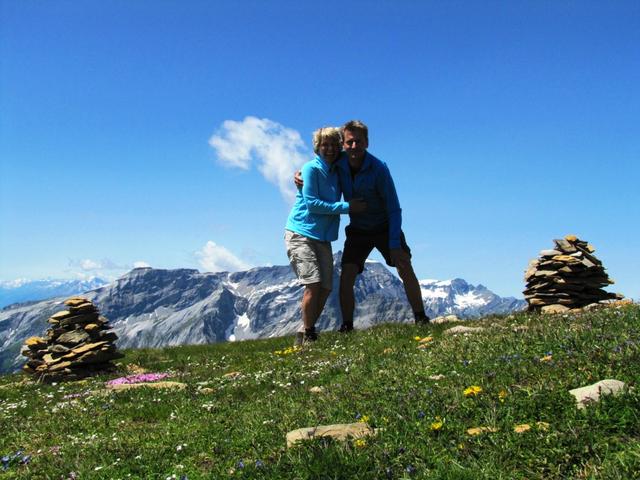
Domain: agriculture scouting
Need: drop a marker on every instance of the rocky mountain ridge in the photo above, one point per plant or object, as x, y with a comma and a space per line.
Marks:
154, 308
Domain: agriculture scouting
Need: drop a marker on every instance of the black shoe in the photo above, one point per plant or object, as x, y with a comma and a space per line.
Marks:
310, 335
346, 328
422, 319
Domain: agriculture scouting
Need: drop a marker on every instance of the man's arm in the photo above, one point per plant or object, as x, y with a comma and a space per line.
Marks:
387, 189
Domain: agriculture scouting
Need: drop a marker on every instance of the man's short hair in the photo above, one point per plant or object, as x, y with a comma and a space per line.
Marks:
356, 125
330, 133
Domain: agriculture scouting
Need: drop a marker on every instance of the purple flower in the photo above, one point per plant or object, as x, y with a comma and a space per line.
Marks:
240, 464
421, 414
138, 378
410, 469
259, 464
5, 462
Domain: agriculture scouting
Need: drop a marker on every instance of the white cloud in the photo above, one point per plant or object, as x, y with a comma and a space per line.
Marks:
141, 264
216, 258
88, 264
277, 150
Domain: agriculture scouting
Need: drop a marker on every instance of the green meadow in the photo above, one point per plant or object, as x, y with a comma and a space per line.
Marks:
494, 404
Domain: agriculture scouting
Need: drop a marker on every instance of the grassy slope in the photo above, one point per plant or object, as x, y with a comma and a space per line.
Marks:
236, 427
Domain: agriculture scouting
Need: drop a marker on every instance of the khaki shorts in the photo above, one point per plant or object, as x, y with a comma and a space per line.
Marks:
311, 260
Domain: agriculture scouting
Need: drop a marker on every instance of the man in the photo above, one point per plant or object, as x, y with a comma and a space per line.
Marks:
364, 176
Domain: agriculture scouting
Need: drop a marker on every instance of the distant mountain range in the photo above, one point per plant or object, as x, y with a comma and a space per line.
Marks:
154, 308
18, 291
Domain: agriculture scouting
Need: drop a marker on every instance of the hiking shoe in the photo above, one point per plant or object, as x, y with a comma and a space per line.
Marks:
346, 328
423, 319
309, 336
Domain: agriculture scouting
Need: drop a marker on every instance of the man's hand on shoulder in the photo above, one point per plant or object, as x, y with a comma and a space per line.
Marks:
297, 179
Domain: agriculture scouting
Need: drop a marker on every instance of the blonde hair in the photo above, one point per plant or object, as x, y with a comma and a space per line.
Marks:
331, 133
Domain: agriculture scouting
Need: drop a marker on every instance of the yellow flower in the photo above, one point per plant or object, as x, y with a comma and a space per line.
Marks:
525, 427
388, 350
502, 395
544, 426
360, 443
478, 430
416, 338
546, 358
472, 391
364, 419
435, 426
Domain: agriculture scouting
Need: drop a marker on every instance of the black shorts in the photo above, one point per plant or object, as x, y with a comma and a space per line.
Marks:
360, 243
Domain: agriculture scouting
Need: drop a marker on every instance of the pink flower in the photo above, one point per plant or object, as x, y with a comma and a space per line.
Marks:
139, 378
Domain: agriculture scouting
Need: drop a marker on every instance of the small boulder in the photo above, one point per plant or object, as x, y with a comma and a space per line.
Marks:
592, 393
463, 329
340, 431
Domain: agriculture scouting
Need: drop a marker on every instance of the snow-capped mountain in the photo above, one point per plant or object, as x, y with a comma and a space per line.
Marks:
153, 308
465, 300
21, 290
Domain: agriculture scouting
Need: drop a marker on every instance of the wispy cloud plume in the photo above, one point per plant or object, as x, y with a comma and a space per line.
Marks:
216, 258
106, 268
277, 151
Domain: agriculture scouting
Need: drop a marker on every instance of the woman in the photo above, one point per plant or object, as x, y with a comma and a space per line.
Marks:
313, 224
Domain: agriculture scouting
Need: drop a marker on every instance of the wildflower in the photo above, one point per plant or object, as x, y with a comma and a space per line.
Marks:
259, 464
139, 378
542, 426
478, 430
5, 462
417, 338
363, 419
437, 425
546, 358
421, 414
360, 443
472, 391
502, 394
410, 469
525, 427
240, 464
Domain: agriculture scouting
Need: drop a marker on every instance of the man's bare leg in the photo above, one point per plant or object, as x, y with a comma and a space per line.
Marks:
412, 289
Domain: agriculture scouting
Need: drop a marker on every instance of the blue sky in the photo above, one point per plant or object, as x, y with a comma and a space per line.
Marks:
504, 124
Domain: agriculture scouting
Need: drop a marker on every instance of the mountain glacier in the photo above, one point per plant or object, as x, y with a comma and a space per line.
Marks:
155, 308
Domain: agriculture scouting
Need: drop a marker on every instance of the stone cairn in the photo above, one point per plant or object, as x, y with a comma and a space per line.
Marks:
566, 277
79, 344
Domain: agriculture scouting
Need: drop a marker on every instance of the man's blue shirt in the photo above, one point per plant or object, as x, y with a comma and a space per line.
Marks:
373, 184
316, 211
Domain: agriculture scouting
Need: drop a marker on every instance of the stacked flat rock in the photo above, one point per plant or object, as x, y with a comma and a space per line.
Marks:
566, 277
78, 344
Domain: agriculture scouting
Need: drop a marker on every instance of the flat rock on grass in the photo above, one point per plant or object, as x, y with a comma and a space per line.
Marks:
463, 329
340, 431
158, 385
445, 319
592, 393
